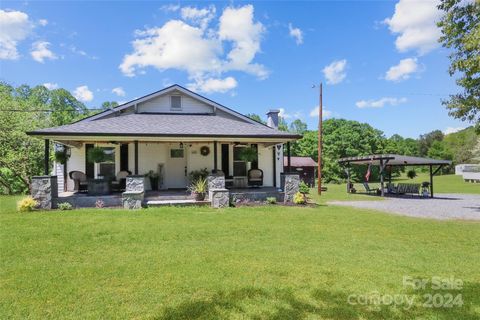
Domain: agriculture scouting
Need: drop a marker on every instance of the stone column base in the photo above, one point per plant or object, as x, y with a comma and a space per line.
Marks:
219, 198
44, 190
132, 199
215, 181
291, 186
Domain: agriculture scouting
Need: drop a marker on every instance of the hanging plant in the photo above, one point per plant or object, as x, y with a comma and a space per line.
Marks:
61, 157
96, 155
248, 154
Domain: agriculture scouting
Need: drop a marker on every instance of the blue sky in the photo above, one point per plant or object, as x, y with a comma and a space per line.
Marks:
379, 61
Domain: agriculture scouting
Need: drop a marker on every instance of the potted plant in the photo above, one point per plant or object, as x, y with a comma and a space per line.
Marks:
248, 155
96, 155
199, 189
61, 156
154, 178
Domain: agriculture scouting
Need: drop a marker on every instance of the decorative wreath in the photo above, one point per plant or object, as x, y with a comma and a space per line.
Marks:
205, 151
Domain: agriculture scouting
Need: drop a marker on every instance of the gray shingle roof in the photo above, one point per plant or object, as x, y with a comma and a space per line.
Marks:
166, 125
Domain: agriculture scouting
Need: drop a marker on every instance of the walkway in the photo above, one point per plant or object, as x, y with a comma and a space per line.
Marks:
442, 207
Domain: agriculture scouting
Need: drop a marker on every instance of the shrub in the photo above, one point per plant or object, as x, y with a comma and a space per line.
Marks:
411, 174
198, 174
96, 155
271, 200
65, 206
304, 188
198, 186
27, 204
299, 198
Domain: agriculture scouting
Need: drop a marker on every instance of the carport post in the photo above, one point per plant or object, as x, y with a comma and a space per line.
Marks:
431, 181
382, 192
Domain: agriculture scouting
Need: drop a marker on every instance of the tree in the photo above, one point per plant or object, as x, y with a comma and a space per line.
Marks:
25, 109
425, 141
341, 138
298, 126
255, 117
460, 26
109, 105
282, 124
439, 150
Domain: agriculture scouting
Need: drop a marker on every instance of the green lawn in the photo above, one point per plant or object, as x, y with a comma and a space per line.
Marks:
269, 262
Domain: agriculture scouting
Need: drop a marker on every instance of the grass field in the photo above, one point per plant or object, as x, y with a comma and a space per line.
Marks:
270, 262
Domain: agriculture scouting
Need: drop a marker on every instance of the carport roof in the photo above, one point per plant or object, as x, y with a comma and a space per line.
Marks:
393, 160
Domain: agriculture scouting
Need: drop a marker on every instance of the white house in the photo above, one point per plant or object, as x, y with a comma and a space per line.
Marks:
173, 132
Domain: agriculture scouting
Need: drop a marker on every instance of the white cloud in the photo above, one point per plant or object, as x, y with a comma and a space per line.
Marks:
283, 114
119, 91
15, 26
295, 33
171, 47
449, 130
335, 71
43, 22
170, 7
200, 17
237, 26
402, 70
192, 47
380, 103
415, 23
40, 51
83, 94
50, 86
213, 85
325, 113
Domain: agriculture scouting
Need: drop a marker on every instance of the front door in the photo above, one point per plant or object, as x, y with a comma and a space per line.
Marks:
175, 171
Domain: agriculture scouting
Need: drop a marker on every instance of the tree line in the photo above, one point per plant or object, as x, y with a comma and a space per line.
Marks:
349, 138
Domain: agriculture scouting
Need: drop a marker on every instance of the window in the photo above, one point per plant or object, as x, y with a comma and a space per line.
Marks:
239, 166
176, 153
107, 166
176, 102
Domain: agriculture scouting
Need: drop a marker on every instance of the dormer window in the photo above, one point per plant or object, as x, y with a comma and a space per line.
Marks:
176, 102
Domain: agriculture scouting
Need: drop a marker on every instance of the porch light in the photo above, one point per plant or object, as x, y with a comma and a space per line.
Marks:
68, 151
181, 145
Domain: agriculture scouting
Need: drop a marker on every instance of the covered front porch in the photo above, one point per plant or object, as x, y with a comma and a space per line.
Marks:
166, 164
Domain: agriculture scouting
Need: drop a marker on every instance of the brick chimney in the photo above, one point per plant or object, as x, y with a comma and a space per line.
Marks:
272, 118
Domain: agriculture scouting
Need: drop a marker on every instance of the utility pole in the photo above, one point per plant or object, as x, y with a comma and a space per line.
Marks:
320, 113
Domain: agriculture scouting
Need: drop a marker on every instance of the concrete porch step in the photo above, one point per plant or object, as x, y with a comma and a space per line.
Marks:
179, 202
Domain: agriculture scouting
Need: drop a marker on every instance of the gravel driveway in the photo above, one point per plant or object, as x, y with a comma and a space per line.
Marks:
442, 207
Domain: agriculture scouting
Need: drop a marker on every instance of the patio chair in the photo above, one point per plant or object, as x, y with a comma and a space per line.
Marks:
255, 177
368, 189
120, 182
80, 180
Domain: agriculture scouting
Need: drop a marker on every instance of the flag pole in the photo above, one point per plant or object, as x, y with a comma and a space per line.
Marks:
320, 113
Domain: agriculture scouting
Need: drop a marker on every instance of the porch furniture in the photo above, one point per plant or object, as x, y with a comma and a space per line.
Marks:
98, 187
120, 181
391, 188
240, 182
255, 177
408, 188
368, 189
79, 179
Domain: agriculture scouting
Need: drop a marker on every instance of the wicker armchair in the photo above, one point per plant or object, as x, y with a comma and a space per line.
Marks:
79, 179
255, 177
119, 184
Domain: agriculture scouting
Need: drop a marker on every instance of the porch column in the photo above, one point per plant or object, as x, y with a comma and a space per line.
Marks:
136, 156
274, 166
47, 156
289, 162
215, 160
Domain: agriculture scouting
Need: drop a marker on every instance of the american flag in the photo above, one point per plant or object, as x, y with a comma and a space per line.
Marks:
367, 175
